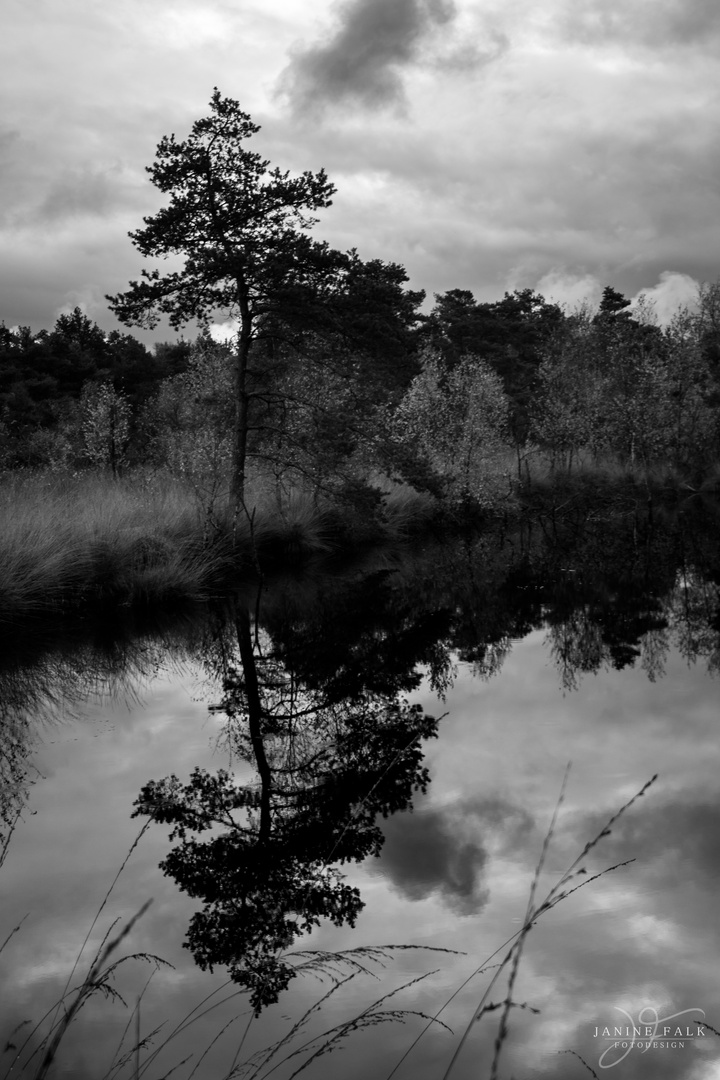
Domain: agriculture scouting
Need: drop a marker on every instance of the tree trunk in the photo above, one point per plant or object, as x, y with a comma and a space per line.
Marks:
255, 718
242, 403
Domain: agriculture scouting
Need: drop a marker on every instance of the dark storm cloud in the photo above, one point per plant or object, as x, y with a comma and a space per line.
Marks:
443, 850
361, 60
653, 23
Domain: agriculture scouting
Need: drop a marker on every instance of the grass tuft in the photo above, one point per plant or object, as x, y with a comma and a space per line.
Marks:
71, 543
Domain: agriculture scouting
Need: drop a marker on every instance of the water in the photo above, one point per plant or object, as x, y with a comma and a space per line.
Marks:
585, 641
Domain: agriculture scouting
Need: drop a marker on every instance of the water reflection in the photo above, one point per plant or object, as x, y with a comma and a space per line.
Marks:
327, 767
313, 696
327, 751
47, 678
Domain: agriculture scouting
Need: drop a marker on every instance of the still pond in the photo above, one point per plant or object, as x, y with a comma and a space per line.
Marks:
361, 765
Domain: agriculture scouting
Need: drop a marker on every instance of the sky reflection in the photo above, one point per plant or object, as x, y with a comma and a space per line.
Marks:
455, 873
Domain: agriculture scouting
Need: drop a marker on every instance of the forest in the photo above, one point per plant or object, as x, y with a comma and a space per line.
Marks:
344, 410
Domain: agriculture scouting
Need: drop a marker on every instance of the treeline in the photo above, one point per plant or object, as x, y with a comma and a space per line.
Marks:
453, 402
46, 377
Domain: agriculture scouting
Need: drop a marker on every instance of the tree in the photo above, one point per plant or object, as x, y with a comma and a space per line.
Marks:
612, 303
105, 425
301, 306
457, 422
75, 333
510, 334
188, 423
617, 384
241, 228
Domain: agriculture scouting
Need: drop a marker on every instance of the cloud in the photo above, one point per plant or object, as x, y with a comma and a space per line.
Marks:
674, 843
679, 834
224, 330
7, 138
80, 192
360, 61
46, 183
563, 287
564, 162
649, 23
445, 849
673, 291
564, 159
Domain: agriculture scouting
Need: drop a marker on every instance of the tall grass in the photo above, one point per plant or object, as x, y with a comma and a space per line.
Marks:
69, 542
73, 541
63, 541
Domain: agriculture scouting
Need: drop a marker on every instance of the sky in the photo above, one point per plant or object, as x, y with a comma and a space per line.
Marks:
559, 145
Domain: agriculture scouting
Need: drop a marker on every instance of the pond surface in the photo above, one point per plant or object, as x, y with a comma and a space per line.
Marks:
461, 678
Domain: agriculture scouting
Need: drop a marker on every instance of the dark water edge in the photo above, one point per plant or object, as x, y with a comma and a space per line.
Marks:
619, 593
571, 520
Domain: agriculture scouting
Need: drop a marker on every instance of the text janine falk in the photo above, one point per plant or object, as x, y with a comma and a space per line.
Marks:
649, 1031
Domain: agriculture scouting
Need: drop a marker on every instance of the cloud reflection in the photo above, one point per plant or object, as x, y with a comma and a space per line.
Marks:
444, 850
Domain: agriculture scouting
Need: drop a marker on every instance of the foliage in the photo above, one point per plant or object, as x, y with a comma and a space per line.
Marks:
44, 374
511, 335
189, 422
457, 421
105, 415
617, 384
313, 431
332, 352
569, 412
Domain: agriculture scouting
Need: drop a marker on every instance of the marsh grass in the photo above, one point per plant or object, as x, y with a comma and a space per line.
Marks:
407, 512
72, 540
540, 470
70, 543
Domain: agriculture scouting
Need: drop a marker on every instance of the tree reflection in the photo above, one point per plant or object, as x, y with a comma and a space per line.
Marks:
327, 767
314, 685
